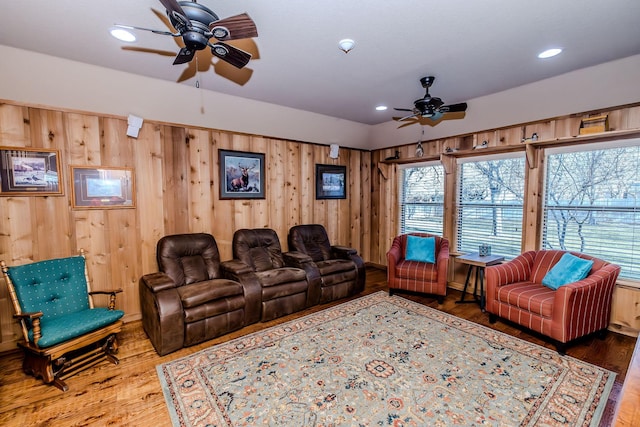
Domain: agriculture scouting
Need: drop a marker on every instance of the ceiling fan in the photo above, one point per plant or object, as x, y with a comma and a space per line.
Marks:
197, 25
430, 107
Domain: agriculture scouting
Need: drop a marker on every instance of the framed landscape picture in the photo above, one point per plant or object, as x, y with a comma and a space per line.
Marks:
331, 182
29, 172
102, 188
241, 175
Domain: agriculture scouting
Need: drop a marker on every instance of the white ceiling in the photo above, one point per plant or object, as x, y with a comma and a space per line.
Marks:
473, 48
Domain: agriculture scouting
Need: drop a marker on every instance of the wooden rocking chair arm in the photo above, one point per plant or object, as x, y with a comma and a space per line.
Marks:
31, 315
108, 292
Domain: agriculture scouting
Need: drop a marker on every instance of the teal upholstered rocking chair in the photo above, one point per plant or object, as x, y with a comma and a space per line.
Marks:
63, 333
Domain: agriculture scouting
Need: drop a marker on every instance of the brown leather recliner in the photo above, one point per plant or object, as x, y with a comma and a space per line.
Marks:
340, 267
189, 301
286, 282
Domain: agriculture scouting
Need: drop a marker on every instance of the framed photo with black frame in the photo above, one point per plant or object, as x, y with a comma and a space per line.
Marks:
331, 182
102, 188
241, 175
30, 172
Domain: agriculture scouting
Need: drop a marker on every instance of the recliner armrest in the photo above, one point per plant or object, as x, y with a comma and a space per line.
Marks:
235, 268
296, 259
157, 282
343, 251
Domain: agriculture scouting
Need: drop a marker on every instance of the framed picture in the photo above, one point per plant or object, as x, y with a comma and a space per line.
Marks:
331, 182
241, 175
102, 188
29, 172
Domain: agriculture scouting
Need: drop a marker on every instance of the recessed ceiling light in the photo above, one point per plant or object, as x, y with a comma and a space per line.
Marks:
381, 107
122, 34
549, 53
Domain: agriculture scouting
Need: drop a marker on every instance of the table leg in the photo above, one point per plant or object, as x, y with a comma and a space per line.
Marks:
483, 299
466, 284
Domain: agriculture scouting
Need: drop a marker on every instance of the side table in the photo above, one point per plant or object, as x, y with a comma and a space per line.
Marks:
474, 260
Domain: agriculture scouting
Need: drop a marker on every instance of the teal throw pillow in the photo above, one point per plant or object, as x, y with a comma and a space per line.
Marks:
421, 249
569, 269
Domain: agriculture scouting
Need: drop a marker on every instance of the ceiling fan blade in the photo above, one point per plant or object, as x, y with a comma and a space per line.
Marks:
174, 9
185, 55
234, 56
234, 27
403, 109
133, 27
454, 108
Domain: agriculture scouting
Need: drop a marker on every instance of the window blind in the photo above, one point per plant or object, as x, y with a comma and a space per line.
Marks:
421, 198
490, 203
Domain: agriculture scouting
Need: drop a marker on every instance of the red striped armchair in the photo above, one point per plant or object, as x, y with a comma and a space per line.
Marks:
515, 292
416, 276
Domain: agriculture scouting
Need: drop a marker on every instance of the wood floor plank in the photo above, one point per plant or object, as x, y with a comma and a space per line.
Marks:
130, 393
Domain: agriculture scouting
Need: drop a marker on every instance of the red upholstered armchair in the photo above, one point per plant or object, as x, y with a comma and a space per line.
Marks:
416, 276
515, 292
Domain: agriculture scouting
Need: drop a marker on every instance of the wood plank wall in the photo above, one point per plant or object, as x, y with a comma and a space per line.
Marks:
177, 191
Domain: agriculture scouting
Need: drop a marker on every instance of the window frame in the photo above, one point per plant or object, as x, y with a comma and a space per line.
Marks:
633, 281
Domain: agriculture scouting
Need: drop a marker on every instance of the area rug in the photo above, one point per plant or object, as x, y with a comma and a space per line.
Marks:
382, 361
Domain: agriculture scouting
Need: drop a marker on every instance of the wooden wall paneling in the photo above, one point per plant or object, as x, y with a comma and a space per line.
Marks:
276, 197
354, 197
14, 126
148, 172
365, 206
175, 166
319, 206
121, 227
51, 213
88, 227
257, 210
124, 260
376, 176
117, 147
200, 182
223, 224
567, 126
292, 183
625, 310
490, 137
509, 136
307, 183
633, 117
83, 140
545, 130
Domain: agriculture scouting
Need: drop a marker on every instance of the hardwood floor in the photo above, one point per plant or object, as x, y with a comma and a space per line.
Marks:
130, 394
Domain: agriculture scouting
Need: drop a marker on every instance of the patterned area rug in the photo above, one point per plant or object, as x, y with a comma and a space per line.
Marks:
382, 361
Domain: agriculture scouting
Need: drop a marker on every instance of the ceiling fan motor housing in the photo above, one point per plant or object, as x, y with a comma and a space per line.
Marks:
200, 16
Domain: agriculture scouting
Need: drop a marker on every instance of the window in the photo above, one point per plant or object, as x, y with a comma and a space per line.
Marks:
421, 193
592, 203
490, 204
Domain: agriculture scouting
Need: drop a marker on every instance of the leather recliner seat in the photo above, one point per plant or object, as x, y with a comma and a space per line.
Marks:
189, 300
340, 268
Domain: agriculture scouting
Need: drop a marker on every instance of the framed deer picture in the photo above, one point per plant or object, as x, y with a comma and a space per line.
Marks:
241, 175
